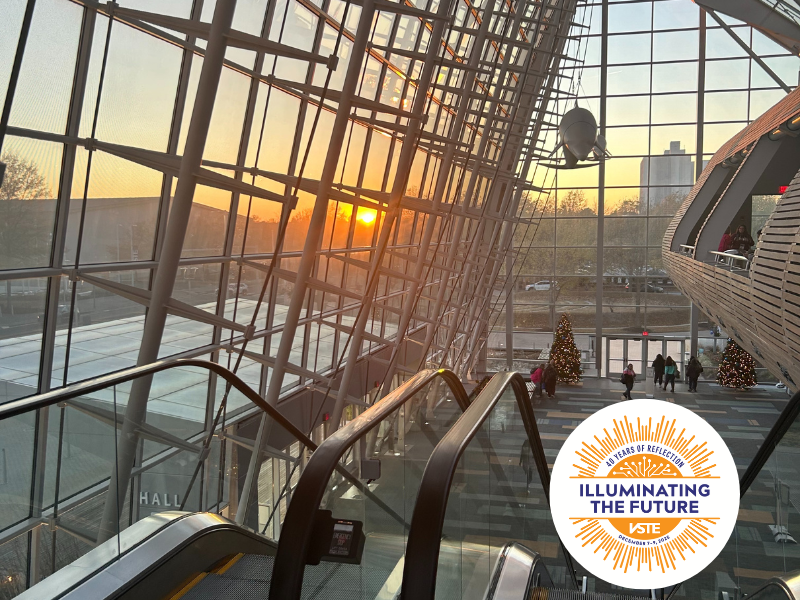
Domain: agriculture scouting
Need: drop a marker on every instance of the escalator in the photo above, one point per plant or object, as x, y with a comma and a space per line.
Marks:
428, 494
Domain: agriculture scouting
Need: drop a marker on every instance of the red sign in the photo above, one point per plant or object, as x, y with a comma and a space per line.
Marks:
645, 333
783, 189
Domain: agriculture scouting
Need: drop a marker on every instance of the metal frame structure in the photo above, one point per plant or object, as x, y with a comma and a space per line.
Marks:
415, 134
650, 72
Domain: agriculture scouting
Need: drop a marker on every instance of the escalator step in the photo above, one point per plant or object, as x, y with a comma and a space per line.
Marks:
558, 594
221, 587
251, 566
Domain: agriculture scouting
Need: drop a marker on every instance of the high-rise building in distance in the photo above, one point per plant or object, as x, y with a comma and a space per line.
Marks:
661, 176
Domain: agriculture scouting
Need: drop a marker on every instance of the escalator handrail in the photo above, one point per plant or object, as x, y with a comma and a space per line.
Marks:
790, 413
24, 405
427, 522
296, 533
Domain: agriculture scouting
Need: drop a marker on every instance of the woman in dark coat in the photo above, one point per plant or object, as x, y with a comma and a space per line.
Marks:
658, 370
549, 378
742, 241
693, 370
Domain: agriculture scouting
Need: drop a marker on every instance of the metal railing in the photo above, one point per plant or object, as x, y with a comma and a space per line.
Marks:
728, 259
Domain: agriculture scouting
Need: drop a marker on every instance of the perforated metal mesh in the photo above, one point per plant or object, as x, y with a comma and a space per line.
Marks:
556, 594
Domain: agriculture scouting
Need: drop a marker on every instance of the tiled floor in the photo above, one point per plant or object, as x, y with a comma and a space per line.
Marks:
743, 418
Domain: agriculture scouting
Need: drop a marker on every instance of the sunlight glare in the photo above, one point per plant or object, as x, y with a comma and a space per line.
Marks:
367, 216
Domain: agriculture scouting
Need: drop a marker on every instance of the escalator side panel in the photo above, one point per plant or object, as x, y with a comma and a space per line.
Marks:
154, 567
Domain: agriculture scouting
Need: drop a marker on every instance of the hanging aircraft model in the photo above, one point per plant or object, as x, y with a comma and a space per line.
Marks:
580, 140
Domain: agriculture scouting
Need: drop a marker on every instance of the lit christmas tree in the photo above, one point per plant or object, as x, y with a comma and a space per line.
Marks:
737, 369
565, 354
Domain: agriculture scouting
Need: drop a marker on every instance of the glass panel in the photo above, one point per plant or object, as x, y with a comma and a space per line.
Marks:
28, 202
675, 77
45, 82
22, 306
673, 108
17, 437
675, 45
138, 97
628, 48
634, 110
727, 74
635, 356
9, 36
726, 106
762, 544
496, 497
79, 443
675, 14
719, 44
629, 17
399, 445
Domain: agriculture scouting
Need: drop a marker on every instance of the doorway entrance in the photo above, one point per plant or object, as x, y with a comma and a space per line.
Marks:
640, 350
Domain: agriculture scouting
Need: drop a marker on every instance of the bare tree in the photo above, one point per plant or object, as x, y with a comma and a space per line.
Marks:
26, 216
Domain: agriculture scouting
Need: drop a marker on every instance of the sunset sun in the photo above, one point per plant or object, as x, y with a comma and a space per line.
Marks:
367, 216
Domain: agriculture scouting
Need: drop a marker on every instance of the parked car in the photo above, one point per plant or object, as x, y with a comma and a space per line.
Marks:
63, 311
645, 287
541, 286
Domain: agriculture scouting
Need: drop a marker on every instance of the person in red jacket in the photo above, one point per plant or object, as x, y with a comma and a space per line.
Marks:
726, 243
536, 379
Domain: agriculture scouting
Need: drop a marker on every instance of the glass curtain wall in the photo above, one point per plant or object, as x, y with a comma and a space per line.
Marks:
306, 247
669, 86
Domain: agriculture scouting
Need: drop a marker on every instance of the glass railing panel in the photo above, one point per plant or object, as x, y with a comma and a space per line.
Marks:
14, 553
764, 542
17, 446
496, 497
387, 462
186, 454
465, 559
516, 483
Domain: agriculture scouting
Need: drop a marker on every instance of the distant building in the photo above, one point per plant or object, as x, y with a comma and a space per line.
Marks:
661, 176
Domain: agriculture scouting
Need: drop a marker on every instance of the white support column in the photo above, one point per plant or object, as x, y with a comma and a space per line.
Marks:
164, 280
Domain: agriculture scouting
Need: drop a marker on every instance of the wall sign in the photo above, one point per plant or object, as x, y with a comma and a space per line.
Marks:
644, 494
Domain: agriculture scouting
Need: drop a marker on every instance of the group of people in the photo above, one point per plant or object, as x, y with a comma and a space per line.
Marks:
544, 376
665, 372
741, 241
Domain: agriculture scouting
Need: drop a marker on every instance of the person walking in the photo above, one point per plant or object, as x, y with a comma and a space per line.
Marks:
549, 378
628, 379
693, 370
536, 379
670, 369
658, 370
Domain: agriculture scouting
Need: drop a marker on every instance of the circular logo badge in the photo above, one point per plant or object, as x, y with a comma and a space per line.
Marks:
644, 494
